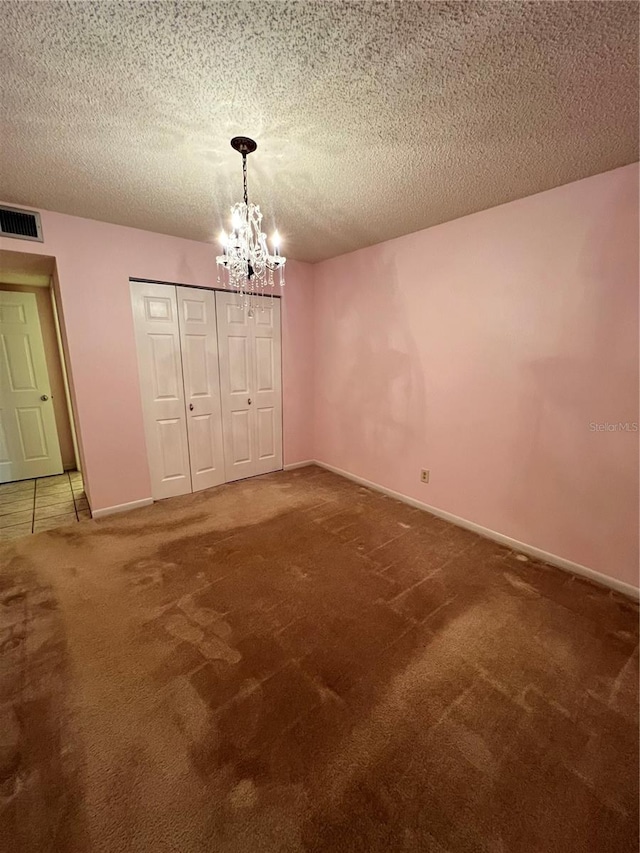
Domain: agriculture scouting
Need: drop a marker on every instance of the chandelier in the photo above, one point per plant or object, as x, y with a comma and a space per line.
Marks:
245, 263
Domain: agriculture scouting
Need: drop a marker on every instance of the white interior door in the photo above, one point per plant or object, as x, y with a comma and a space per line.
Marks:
250, 385
160, 366
28, 436
267, 405
199, 345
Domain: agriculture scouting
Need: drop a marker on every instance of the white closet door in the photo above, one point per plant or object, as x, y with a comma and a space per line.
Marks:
162, 387
267, 403
28, 436
250, 384
234, 343
199, 344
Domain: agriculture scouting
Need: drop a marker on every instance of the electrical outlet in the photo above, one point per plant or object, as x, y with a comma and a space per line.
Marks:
424, 475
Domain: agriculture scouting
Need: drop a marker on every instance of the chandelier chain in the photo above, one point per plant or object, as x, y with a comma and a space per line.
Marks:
244, 179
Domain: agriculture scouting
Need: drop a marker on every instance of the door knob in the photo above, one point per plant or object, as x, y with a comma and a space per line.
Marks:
249, 401
44, 398
190, 407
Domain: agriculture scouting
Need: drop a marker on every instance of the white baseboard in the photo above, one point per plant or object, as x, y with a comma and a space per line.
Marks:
522, 547
292, 465
112, 510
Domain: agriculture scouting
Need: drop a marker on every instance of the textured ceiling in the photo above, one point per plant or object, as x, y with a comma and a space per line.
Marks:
372, 119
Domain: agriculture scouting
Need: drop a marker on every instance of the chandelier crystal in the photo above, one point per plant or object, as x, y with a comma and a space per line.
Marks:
245, 264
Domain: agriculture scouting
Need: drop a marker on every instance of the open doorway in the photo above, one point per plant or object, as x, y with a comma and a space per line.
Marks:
37, 430
41, 486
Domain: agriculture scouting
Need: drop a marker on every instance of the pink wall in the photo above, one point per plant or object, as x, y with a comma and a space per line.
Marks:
297, 366
94, 263
482, 349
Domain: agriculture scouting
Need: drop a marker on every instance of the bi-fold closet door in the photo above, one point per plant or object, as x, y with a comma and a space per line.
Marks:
176, 337
251, 385
201, 378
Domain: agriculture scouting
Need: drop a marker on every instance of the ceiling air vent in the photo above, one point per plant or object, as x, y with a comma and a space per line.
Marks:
22, 224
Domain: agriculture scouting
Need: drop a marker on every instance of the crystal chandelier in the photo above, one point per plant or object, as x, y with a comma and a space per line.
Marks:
245, 264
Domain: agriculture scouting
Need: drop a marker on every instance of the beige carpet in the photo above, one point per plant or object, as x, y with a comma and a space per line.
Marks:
294, 663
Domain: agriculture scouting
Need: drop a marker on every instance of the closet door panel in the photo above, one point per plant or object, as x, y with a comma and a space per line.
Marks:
236, 381
250, 372
240, 437
197, 368
205, 455
266, 433
199, 343
161, 386
265, 365
266, 353
239, 381
171, 443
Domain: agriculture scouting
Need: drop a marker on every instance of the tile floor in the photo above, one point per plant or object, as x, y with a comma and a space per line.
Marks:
31, 506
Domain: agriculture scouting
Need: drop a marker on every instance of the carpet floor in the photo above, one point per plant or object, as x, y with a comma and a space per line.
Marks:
295, 663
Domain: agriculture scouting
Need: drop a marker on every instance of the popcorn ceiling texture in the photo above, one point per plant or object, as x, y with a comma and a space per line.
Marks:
372, 119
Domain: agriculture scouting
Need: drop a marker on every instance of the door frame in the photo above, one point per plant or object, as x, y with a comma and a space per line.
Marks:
223, 290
